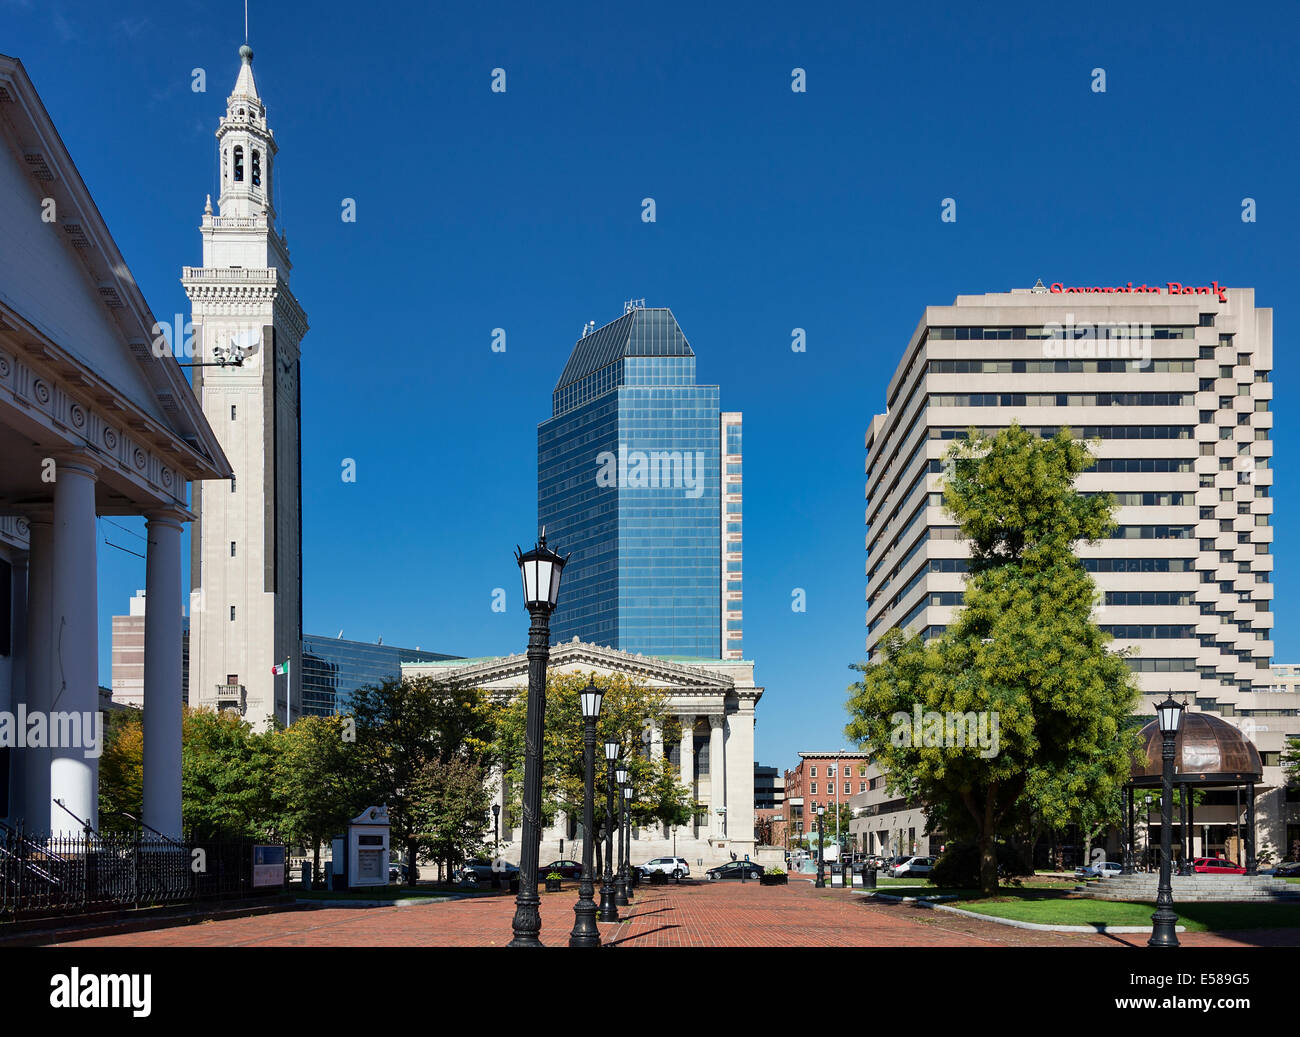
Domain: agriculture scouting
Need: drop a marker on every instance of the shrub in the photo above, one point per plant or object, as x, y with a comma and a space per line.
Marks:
553, 876
776, 871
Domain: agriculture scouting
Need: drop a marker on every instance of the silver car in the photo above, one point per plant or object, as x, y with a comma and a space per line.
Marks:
674, 866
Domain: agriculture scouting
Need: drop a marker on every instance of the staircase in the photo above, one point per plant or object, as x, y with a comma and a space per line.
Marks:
1195, 888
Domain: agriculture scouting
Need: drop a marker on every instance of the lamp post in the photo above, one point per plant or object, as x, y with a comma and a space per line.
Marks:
540, 569
1170, 714
496, 843
627, 845
585, 933
821, 874
620, 877
608, 903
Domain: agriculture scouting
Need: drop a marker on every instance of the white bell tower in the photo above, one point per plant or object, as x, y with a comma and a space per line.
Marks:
246, 547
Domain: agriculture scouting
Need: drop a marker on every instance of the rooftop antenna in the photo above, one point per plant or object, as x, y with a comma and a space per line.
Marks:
245, 21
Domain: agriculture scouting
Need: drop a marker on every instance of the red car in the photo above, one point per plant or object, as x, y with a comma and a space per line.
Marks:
1216, 866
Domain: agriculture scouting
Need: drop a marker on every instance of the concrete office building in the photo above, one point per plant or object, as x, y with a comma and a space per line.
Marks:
128, 655
1173, 382
639, 477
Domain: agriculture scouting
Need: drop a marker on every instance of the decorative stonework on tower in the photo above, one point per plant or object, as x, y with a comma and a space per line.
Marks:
246, 547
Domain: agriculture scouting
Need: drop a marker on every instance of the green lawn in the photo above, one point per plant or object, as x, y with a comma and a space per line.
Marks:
1058, 910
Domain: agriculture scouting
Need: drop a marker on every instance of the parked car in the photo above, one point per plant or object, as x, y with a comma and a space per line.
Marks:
1216, 866
1102, 869
1287, 870
674, 866
736, 870
913, 866
396, 872
568, 869
893, 862
479, 872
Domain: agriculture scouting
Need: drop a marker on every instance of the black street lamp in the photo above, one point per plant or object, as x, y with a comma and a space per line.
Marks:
540, 569
608, 901
821, 874
496, 843
627, 844
1170, 714
585, 933
620, 876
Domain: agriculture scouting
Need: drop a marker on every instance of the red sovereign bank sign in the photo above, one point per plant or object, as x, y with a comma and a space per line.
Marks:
1169, 288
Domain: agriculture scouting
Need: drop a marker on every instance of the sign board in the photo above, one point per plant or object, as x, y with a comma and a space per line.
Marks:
268, 866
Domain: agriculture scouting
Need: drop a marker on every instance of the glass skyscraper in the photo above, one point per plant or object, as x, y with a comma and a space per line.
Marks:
638, 476
333, 668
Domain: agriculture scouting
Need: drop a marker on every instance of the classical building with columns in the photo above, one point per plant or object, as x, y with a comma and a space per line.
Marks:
713, 698
92, 422
246, 547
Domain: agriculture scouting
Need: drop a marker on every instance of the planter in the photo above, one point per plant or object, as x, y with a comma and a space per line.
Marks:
659, 878
553, 885
773, 880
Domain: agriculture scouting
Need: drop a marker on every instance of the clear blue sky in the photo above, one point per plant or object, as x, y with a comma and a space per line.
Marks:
776, 210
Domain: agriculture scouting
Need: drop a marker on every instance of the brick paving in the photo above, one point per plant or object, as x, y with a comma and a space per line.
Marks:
721, 914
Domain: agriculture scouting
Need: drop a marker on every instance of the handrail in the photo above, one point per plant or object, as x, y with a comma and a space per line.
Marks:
30, 844
142, 824
23, 862
84, 824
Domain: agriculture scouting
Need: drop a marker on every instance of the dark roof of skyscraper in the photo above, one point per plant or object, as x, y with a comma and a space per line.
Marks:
642, 331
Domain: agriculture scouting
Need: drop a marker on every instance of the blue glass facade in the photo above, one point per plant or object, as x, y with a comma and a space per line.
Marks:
629, 481
333, 668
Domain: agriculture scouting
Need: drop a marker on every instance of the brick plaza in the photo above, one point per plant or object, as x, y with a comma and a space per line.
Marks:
719, 914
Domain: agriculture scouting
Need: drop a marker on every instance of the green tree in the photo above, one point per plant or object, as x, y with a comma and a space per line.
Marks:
315, 780
1023, 651
452, 799
1291, 760
121, 770
627, 712
402, 725
227, 775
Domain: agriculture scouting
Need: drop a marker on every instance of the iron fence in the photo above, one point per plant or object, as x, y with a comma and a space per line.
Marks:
93, 872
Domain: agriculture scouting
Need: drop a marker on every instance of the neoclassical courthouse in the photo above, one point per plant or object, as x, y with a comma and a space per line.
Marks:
714, 700
92, 422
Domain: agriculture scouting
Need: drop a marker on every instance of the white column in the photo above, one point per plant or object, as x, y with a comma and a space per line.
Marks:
717, 775
740, 773
35, 811
656, 742
688, 758
17, 676
162, 674
74, 640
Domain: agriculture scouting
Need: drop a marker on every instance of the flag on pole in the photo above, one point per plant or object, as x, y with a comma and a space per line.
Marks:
281, 669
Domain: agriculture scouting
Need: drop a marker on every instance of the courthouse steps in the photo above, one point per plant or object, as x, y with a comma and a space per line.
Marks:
1195, 888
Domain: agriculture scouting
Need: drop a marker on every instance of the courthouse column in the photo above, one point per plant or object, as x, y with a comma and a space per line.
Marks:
162, 674
74, 640
17, 677
688, 757
35, 810
717, 776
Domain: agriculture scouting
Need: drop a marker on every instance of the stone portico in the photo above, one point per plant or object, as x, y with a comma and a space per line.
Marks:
714, 701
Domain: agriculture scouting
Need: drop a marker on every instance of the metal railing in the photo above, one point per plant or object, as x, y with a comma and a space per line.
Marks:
73, 874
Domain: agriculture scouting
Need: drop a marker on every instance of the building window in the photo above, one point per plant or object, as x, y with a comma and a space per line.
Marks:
232, 678
812, 789
812, 771
862, 786
830, 771
257, 168
239, 165
232, 484
1207, 320
232, 549
232, 412
232, 613
848, 788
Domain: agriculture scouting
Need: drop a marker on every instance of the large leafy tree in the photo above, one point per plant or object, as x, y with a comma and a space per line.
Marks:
315, 780
227, 774
121, 771
404, 724
452, 799
627, 712
1023, 649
